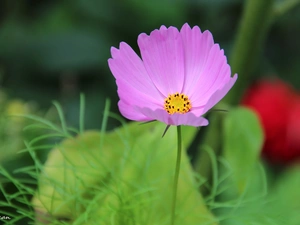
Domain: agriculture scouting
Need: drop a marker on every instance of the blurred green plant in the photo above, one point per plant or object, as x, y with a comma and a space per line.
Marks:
12, 138
11, 134
241, 190
247, 52
113, 175
122, 177
246, 59
126, 181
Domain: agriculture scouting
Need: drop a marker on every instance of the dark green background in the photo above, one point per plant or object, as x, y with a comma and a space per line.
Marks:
54, 50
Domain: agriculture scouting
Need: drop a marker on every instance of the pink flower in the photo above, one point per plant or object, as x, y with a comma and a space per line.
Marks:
179, 77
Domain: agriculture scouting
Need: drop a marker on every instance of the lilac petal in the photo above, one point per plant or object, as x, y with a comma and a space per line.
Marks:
175, 119
219, 94
130, 112
127, 66
216, 74
188, 119
197, 46
163, 56
134, 85
130, 98
135, 97
158, 114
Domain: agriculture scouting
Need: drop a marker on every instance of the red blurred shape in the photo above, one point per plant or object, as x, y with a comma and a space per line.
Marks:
278, 107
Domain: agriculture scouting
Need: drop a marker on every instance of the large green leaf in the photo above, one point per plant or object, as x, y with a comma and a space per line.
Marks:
285, 196
121, 177
245, 195
243, 139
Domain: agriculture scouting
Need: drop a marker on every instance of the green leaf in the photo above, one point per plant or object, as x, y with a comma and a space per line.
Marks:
121, 177
285, 196
243, 140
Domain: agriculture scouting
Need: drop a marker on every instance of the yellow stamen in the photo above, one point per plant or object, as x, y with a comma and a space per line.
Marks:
177, 103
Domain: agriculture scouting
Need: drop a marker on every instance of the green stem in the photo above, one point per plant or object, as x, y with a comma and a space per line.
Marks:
177, 169
81, 113
248, 45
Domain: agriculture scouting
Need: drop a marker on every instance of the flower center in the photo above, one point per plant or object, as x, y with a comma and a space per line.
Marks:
177, 103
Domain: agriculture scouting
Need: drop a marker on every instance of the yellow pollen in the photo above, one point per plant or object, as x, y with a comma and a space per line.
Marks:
177, 103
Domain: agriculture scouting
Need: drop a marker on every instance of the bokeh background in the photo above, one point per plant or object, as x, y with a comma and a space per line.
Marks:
54, 50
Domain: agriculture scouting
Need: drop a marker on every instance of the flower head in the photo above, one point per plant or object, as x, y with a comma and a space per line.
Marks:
179, 77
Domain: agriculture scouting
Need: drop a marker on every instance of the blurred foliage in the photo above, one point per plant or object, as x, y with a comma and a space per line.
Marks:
242, 189
243, 141
108, 177
122, 177
12, 136
11, 127
58, 49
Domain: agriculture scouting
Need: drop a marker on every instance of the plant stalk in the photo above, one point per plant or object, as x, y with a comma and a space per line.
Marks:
246, 51
177, 170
